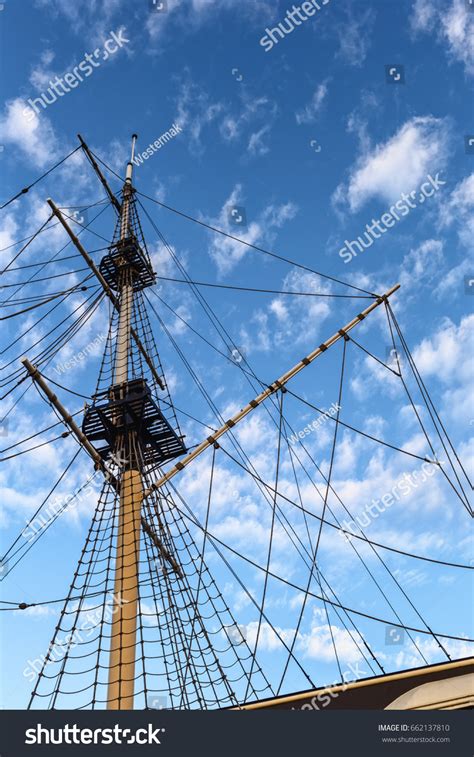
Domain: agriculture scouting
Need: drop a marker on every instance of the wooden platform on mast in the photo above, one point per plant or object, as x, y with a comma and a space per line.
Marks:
130, 407
127, 253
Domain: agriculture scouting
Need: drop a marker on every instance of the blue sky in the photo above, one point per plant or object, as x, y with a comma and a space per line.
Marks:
315, 138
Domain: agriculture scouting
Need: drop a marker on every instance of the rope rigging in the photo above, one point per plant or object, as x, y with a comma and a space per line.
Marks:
351, 610
230, 236
26, 189
145, 616
265, 291
254, 247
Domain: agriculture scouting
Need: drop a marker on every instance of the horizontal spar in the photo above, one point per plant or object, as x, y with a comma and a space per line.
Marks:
278, 384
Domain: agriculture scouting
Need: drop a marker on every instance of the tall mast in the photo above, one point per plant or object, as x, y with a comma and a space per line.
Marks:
124, 622
126, 282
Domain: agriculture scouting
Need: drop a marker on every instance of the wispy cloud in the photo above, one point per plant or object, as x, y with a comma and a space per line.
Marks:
310, 112
289, 320
191, 15
422, 263
42, 73
195, 112
257, 144
458, 211
227, 252
91, 16
355, 35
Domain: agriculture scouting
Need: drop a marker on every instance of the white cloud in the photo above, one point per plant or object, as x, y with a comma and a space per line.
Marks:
80, 13
411, 577
448, 356
248, 532
257, 337
162, 260
445, 354
319, 642
268, 640
430, 648
453, 25
316, 644
398, 165
255, 432
311, 111
33, 135
359, 119
178, 326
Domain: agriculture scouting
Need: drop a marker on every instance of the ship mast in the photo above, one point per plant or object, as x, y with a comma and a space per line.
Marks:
124, 623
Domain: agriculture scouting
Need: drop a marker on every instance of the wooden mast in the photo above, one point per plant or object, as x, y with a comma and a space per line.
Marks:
121, 684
